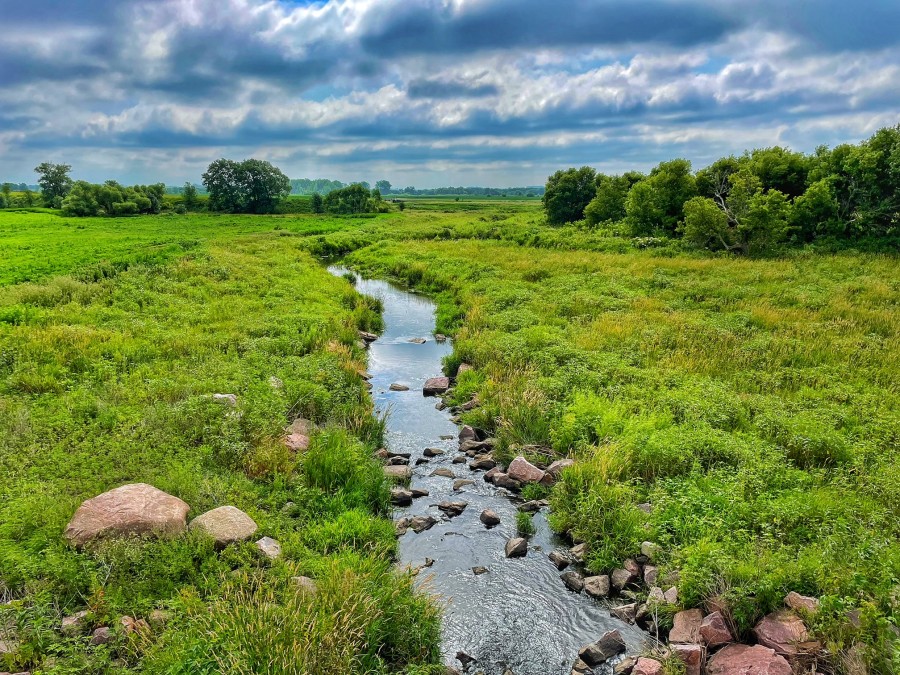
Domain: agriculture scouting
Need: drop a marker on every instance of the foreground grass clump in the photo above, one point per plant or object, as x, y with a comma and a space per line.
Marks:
109, 380
752, 403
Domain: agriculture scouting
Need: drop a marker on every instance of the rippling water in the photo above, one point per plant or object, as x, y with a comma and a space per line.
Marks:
518, 615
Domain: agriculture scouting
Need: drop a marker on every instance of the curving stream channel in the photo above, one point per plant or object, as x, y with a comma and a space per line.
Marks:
518, 616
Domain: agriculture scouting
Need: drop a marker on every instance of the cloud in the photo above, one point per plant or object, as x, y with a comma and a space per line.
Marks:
154, 89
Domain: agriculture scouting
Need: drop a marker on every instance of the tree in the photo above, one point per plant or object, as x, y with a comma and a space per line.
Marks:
6, 191
315, 203
190, 196
352, 199
815, 212
567, 194
705, 224
384, 186
608, 205
251, 186
667, 188
55, 182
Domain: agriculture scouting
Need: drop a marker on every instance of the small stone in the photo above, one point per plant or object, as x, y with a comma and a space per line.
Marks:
573, 581
101, 636
646, 508
479, 570
276, 383
159, 618
578, 552
626, 613
131, 625
691, 656
227, 399
625, 666
367, 337
561, 561
490, 475
557, 467
418, 341
467, 433
305, 585
435, 386
297, 435
597, 586
401, 526
686, 626
649, 549
398, 461
461, 483
397, 472
419, 492
269, 547
421, 523
645, 666
714, 630
396, 386
443, 471
460, 459
482, 463
581, 668
622, 578
504, 481
532, 506
671, 596
656, 597
489, 518
516, 547
651, 574
465, 659
440, 337
452, 509
420, 461
225, 525
596, 653
802, 603
74, 624
432, 452
401, 496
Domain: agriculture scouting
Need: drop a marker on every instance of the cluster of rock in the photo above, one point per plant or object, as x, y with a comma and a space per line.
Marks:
703, 642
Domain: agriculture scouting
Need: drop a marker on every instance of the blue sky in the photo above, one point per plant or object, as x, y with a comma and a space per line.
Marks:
435, 92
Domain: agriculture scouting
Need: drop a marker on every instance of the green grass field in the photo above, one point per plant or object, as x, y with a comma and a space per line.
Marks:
753, 403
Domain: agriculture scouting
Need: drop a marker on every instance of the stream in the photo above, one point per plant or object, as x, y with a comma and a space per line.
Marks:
518, 616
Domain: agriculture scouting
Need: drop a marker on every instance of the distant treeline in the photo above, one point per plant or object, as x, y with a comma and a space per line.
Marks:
747, 204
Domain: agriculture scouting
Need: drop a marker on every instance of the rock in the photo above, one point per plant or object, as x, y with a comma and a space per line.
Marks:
465, 659
367, 337
463, 368
443, 471
101, 636
686, 626
296, 436
560, 560
632, 566
452, 509
159, 618
8, 645
714, 630
440, 337
516, 547
419, 492
646, 508
467, 433
74, 624
597, 586
269, 547
418, 341
131, 625
622, 578
225, 524
401, 496
460, 459
440, 405
651, 574
573, 581
625, 666
396, 386
581, 668
801, 603
784, 632
478, 571
435, 386
532, 506
523, 471
489, 518
503, 480
401, 526
226, 399
471, 447
602, 650
398, 461
490, 475
432, 452
671, 596
744, 660
420, 461
649, 549
482, 463
645, 666
397, 472
656, 597
305, 585
132, 509
461, 483
421, 523
691, 656
276, 383
626, 613
578, 552
556, 468
470, 405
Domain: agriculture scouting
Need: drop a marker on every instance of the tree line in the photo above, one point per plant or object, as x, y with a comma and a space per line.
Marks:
746, 204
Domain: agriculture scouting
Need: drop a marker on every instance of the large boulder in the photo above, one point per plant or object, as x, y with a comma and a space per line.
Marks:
132, 509
744, 660
573, 581
784, 632
557, 467
225, 524
622, 578
598, 586
523, 471
686, 626
516, 547
801, 603
714, 631
436, 385
602, 650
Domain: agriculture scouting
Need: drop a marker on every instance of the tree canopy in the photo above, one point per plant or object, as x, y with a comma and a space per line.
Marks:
568, 193
251, 186
55, 182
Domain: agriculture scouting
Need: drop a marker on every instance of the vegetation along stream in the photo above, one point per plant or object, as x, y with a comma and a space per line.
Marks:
518, 615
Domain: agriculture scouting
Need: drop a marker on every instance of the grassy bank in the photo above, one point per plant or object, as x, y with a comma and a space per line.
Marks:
107, 381
753, 403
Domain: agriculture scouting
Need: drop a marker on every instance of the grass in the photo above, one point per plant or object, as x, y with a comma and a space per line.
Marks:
753, 403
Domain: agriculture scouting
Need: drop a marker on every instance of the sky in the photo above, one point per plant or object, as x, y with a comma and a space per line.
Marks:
434, 92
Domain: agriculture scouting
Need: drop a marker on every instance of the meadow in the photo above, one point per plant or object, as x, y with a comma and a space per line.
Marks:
752, 402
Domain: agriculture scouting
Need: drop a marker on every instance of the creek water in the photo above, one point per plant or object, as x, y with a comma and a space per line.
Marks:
518, 615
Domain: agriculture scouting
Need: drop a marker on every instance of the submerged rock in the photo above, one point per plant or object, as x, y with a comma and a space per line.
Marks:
422, 523
132, 509
396, 386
